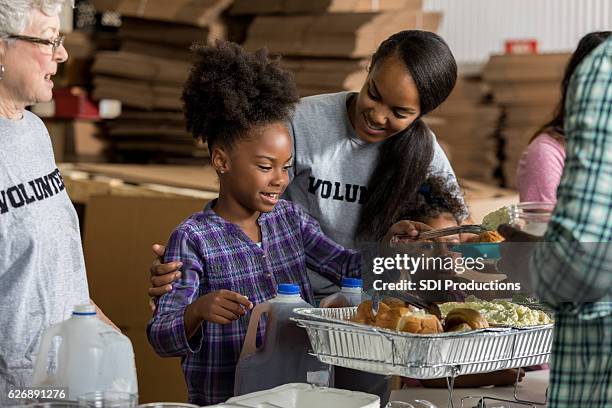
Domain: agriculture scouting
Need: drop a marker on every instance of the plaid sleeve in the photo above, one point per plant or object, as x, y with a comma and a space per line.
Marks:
166, 330
573, 263
324, 255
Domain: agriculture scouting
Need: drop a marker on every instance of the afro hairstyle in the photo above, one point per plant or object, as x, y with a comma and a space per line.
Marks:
230, 91
436, 196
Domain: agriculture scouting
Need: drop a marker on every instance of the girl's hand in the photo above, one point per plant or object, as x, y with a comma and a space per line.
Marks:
222, 306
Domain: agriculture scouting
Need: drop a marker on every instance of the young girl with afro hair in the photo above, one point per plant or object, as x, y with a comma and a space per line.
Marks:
237, 250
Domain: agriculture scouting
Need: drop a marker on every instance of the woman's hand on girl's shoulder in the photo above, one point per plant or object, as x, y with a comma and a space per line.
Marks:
162, 274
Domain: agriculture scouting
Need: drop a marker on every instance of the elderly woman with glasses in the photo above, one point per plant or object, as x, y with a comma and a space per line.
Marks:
41, 259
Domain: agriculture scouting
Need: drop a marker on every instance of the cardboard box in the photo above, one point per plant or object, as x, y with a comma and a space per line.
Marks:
119, 233
159, 379
201, 178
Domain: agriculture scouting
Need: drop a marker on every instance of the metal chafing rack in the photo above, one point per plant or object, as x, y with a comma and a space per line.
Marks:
337, 341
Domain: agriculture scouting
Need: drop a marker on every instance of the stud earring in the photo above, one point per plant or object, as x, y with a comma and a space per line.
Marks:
1, 71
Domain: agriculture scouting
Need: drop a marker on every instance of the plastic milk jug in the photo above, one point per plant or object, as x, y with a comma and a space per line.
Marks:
283, 357
351, 294
91, 356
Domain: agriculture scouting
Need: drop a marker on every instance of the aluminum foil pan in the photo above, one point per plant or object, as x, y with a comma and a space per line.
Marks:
336, 341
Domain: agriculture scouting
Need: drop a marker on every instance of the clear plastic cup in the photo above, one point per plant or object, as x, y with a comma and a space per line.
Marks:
38, 404
108, 399
531, 217
16, 403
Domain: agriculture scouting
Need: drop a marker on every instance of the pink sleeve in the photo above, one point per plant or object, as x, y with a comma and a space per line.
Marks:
539, 170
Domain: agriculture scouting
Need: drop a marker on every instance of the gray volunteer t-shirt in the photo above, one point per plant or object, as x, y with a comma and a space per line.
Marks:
332, 167
42, 272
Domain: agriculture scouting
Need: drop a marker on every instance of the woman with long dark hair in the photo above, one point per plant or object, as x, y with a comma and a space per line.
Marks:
359, 155
541, 165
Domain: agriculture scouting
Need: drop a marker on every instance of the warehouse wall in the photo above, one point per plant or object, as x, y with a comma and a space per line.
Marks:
476, 28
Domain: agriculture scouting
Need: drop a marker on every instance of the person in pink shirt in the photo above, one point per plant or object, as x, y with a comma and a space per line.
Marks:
541, 165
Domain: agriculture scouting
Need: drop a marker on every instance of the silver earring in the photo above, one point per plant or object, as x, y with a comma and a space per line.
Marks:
1, 71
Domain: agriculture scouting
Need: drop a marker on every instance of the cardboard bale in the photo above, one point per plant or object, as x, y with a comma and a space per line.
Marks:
525, 68
320, 6
324, 75
139, 94
468, 126
162, 32
156, 50
199, 13
528, 89
131, 93
351, 35
528, 115
137, 66
527, 93
516, 141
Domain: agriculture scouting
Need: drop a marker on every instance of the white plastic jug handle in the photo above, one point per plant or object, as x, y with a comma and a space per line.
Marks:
250, 341
40, 367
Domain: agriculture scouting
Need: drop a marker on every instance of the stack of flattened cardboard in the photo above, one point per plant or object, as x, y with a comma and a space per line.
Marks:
148, 72
327, 42
138, 80
466, 124
201, 13
527, 87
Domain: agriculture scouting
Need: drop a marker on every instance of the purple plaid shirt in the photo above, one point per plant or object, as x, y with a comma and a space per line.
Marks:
216, 254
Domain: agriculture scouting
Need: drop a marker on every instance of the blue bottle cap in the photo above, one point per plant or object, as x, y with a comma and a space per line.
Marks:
288, 289
351, 283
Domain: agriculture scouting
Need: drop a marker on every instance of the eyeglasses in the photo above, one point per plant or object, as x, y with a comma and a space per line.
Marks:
55, 44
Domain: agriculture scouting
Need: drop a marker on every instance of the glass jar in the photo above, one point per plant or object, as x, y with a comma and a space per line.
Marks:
108, 399
531, 217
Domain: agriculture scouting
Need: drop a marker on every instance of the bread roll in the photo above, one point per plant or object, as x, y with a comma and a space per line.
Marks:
364, 313
461, 315
402, 319
420, 324
391, 318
